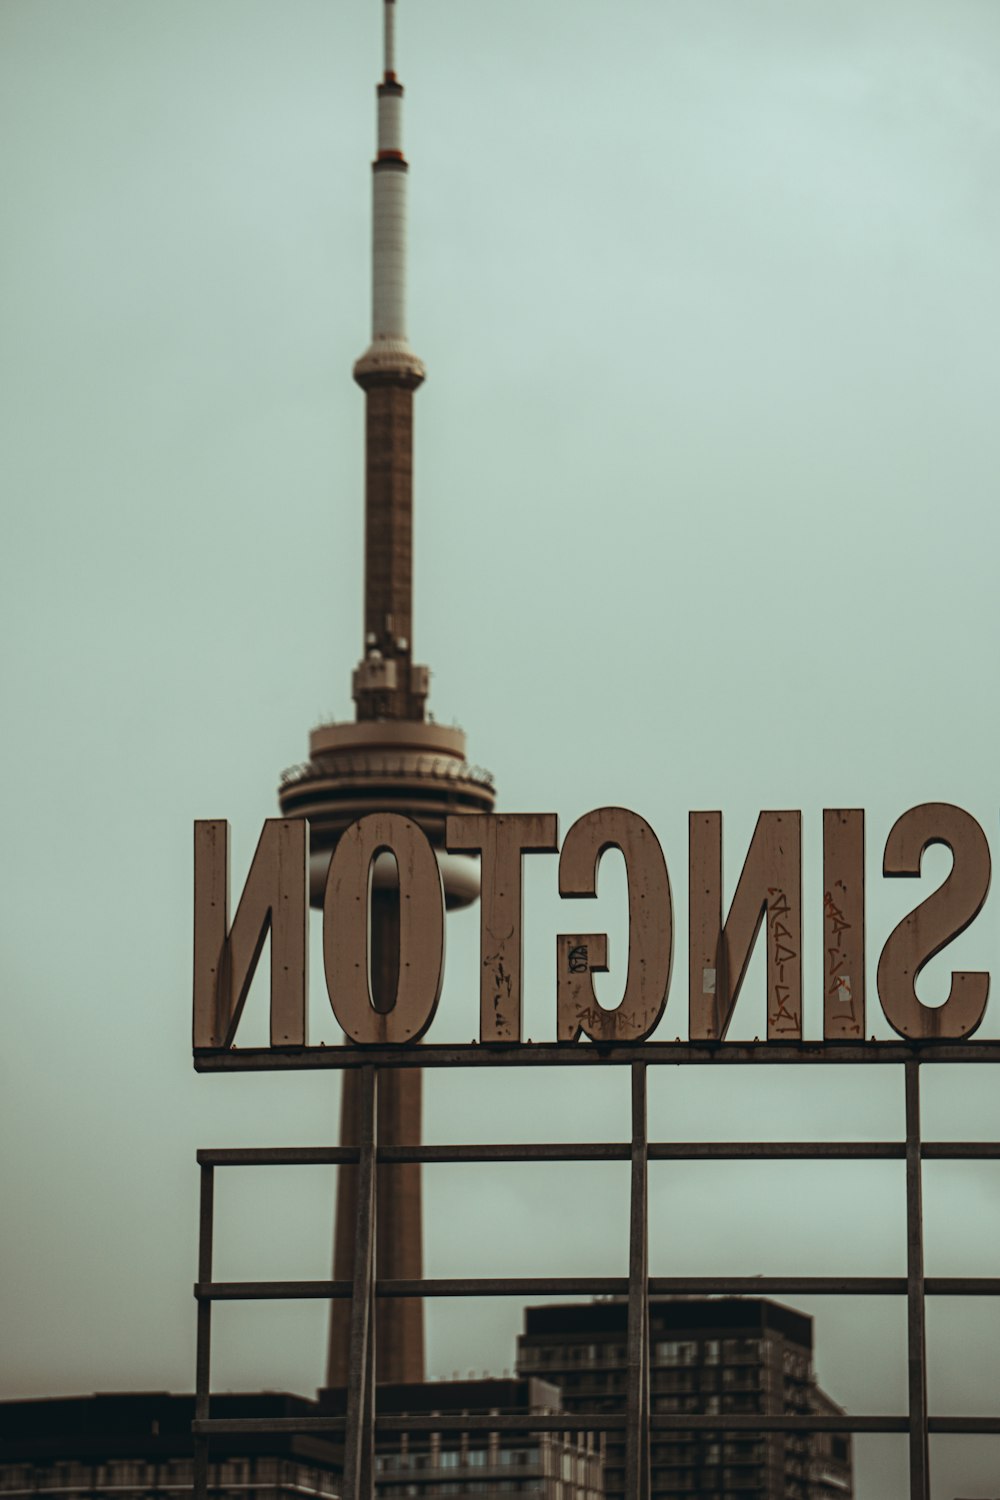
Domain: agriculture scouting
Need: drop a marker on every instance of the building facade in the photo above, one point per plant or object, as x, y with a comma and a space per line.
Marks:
139, 1447
443, 1460
741, 1356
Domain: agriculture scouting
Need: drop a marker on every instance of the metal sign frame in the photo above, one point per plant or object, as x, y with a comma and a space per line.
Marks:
638, 1422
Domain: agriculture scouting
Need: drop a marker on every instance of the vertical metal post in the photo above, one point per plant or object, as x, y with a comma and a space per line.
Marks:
916, 1341
366, 1487
637, 1431
360, 1436
203, 1358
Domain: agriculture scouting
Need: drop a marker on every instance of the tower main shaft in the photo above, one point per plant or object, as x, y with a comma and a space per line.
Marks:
388, 758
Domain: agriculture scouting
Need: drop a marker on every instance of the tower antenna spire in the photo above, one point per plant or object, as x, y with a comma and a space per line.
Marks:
389, 35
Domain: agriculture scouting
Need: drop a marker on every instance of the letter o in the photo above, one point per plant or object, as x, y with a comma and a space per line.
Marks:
346, 925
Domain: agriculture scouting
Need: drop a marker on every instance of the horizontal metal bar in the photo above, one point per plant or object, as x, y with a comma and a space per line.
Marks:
963, 1424
601, 1286
514, 1286
564, 1421
765, 1286
270, 1291
513, 1152
439, 1422
754, 1422
959, 1150
269, 1156
658, 1151
570, 1151
732, 1422
590, 1422
278, 1156
962, 1286
577, 1054
778, 1151
757, 1422
822, 1286
210, 1426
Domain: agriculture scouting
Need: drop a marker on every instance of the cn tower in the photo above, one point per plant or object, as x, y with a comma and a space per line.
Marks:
390, 757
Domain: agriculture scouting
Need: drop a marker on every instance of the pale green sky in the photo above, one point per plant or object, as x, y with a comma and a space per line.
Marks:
706, 517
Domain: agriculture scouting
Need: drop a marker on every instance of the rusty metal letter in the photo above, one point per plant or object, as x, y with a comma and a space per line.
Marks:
650, 941
843, 924
946, 913
275, 899
500, 839
771, 882
346, 922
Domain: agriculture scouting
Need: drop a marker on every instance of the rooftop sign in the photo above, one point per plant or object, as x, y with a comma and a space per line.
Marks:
768, 898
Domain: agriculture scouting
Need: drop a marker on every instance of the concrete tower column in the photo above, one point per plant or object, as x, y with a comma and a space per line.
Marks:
389, 757
399, 1323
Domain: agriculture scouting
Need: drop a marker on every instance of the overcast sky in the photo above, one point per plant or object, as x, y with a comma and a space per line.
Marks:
706, 518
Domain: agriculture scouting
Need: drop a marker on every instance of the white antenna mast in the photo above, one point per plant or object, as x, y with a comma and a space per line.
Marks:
389, 352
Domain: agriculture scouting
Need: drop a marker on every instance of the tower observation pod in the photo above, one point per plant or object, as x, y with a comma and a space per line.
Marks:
390, 757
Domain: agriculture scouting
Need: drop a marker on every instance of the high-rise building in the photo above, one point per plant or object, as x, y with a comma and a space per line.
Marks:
745, 1356
390, 758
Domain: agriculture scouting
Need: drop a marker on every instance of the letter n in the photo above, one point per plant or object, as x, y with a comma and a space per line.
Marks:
274, 900
719, 952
